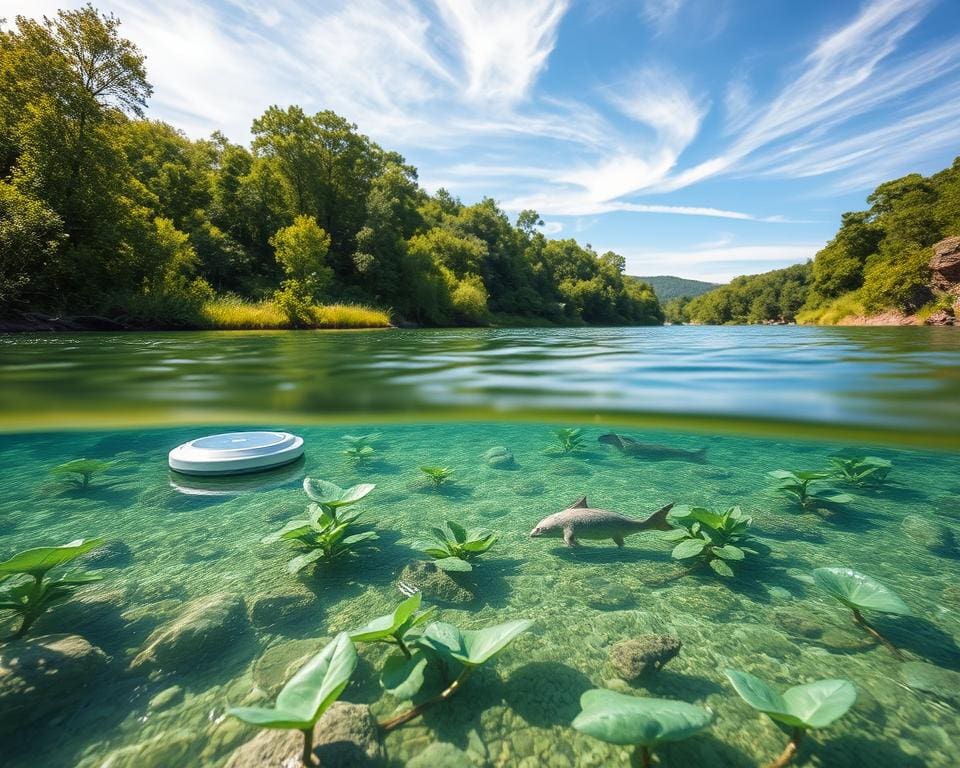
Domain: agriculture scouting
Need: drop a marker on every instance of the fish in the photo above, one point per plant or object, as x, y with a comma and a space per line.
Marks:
631, 447
580, 520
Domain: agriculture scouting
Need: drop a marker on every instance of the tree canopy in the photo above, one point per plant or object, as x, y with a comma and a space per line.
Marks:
102, 210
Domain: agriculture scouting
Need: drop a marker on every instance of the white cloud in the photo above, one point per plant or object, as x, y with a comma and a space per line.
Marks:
551, 228
661, 14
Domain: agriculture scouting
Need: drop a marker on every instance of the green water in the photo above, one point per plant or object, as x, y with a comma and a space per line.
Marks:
768, 620
887, 395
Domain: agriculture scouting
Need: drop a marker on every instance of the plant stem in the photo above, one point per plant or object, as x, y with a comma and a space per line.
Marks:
644, 753
858, 619
403, 647
789, 751
410, 714
307, 757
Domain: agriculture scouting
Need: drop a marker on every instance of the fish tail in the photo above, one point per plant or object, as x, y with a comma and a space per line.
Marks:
658, 520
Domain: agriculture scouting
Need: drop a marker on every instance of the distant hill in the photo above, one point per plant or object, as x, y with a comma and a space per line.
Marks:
669, 287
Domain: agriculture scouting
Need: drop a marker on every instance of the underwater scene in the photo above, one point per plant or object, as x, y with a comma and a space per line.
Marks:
197, 613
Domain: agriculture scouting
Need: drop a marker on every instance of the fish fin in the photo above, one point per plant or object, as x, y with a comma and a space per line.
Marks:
618, 540
569, 539
580, 503
658, 520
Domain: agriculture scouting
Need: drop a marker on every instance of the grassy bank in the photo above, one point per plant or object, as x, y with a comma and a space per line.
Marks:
238, 315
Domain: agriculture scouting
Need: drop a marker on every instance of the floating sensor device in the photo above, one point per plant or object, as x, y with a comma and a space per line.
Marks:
236, 453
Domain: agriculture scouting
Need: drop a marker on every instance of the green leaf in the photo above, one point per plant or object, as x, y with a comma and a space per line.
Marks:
321, 491
688, 548
857, 590
403, 677
459, 533
836, 498
819, 703
721, 568
384, 626
310, 691
356, 538
40, 560
453, 564
291, 530
675, 535
302, 561
728, 552
620, 719
471, 647
354, 494
479, 542
814, 705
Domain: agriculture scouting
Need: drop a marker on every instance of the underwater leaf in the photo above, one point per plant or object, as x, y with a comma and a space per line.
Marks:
302, 561
433, 551
321, 491
453, 564
403, 677
761, 696
41, 559
688, 548
819, 703
406, 609
358, 537
728, 552
675, 535
782, 474
721, 568
353, 495
479, 541
471, 647
836, 498
621, 719
310, 691
457, 532
291, 530
857, 590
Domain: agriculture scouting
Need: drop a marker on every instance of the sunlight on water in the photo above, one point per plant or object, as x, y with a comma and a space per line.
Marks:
189, 538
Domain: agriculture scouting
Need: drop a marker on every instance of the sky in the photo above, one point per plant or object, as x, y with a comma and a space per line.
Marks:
700, 138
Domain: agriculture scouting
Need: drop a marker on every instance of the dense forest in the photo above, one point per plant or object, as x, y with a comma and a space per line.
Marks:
670, 287
877, 261
105, 212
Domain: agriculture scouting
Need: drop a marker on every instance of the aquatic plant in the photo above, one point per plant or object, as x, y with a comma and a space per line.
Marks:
638, 721
456, 546
467, 648
570, 439
332, 497
801, 708
307, 695
79, 472
437, 475
861, 470
393, 627
800, 488
359, 447
717, 538
860, 592
24, 588
322, 535
403, 672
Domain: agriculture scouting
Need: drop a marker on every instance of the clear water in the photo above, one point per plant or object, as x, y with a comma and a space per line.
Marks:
190, 538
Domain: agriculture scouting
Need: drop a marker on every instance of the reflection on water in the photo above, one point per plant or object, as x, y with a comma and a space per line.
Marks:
900, 379
769, 619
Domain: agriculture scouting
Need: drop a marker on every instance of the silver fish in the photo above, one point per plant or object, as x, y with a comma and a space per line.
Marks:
580, 520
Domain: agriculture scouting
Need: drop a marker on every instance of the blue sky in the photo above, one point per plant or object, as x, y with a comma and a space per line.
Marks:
702, 138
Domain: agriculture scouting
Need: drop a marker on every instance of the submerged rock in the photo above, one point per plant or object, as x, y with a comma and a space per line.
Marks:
167, 748
440, 754
434, 583
928, 533
942, 683
632, 658
198, 635
347, 736
797, 623
271, 612
529, 488
499, 457
166, 698
45, 675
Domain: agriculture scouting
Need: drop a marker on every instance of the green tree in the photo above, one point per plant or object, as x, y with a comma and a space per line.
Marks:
301, 250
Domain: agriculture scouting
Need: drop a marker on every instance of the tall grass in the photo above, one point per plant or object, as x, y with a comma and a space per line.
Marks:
833, 312
234, 314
